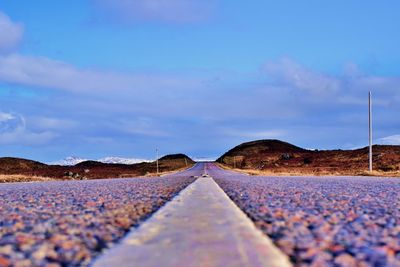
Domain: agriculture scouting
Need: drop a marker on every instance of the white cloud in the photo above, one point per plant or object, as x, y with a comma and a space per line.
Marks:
265, 134
6, 116
141, 126
172, 11
10, 33
289, 82
53, 74
312, 87
390, 140
289, 73
22, 137
114, 105
46, 123
13, 131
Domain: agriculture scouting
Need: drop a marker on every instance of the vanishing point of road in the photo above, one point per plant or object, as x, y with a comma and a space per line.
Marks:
204, 216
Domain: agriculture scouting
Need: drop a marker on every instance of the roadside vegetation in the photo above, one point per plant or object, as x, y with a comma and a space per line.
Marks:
274, 157
23, 178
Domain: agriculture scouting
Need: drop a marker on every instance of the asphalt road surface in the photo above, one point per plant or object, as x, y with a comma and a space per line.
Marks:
316, 221
201, 227
320, 221
69, 223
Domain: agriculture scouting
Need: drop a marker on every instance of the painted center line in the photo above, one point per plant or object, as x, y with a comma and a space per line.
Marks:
199, 227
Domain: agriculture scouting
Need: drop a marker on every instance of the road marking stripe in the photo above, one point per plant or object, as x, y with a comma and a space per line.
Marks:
199, 227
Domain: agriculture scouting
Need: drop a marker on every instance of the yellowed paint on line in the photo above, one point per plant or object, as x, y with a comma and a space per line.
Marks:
199, 227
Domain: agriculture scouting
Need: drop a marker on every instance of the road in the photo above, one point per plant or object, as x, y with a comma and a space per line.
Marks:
316, 221
69, 223
200, 227
321, 221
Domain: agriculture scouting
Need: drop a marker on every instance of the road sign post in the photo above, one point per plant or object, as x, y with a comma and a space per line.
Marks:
370, 129
157, 161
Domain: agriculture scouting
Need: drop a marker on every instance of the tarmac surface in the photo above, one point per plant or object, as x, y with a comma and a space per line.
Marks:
315, 221
70, 223
199, 227
322, 221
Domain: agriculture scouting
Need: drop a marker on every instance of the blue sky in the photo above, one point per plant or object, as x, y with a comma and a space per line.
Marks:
101, 77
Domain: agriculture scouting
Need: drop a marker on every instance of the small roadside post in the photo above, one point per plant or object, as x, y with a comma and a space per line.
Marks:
370, 129
157, 161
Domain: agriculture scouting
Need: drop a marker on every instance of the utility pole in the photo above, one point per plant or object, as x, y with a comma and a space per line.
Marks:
186, 161
370, 129
157, 161
234, 162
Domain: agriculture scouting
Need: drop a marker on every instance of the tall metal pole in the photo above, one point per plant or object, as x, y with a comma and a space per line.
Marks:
370, 129
157, 160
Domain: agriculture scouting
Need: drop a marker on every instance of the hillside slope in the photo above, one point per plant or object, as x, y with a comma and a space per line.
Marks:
280, 157
9, 164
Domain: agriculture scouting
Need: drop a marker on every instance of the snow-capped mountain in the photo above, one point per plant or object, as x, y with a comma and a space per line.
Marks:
122, 160
204, 159
70, 161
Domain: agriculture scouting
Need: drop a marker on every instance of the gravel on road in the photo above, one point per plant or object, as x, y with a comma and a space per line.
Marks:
69, 223
321, 221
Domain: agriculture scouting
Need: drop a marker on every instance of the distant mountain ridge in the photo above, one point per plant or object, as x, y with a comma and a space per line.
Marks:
71, 161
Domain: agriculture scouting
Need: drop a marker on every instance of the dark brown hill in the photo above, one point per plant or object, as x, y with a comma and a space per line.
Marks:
175, 156
261, 147
91, 169
93, 163
175, 160
275, 156
10, 164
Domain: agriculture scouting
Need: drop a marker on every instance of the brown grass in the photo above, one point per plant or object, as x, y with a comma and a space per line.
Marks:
166, 167
310, 172
4, 178
274, 157
380, 173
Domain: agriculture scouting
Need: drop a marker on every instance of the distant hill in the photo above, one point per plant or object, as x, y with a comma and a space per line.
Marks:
91, 163
10, 164
175, 157
262, 147
175, 160
281, 157
90, 169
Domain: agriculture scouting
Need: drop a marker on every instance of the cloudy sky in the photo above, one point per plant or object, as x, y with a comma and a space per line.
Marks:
122, 77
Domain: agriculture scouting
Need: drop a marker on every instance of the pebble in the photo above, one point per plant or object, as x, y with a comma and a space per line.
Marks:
345, 260
4, 262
